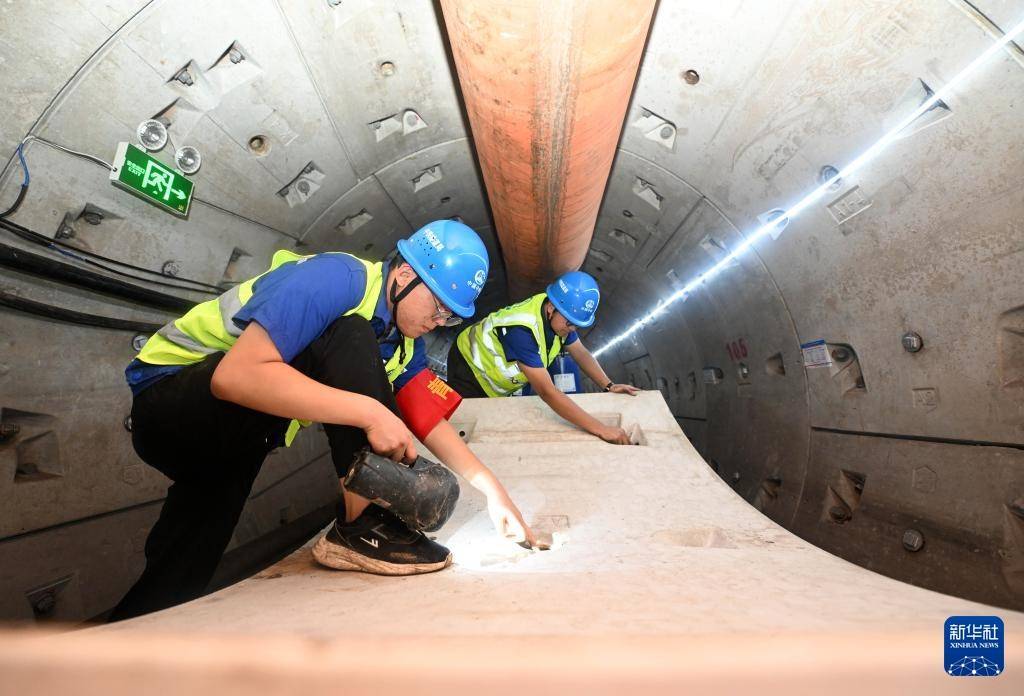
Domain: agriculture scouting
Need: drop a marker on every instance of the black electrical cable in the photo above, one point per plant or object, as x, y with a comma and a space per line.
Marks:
24, 183
21, 260
42, 240
26, 233
36, 238
74, 317
17, 202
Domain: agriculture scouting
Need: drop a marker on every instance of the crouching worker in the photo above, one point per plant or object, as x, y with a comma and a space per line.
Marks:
515, 345
316, 338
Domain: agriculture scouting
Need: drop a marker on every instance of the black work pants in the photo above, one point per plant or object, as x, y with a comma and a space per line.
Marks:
461, 377
212, 451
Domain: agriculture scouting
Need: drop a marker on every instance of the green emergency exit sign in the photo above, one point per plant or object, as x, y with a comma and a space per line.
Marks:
147, 177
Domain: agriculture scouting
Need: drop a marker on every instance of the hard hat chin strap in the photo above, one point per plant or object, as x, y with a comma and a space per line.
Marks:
395, 296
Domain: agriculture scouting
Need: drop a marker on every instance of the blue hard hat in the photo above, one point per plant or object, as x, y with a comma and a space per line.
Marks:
452, 260
576, 296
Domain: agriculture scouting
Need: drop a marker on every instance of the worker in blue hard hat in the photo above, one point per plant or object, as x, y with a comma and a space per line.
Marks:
515, 345
330, 338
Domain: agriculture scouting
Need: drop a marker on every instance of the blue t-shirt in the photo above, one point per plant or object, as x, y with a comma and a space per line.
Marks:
295, 303
520, 345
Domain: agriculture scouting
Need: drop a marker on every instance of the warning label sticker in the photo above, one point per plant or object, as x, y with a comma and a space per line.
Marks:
816, 354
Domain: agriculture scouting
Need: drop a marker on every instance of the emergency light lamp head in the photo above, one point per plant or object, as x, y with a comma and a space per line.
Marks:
152, 134
187, 159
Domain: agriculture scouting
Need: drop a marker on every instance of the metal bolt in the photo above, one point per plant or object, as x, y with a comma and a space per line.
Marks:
744, 370
8, 430
840, 513
691, 77
913, 540
387, 68
303, 187
184, 77
44, 604
139, 342
65, 231
93, 217
170, 268
840, 354
736, 477
235, 56
128, 423
912, 342
666, 132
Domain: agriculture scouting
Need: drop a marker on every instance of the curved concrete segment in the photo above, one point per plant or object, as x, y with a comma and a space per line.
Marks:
660, 575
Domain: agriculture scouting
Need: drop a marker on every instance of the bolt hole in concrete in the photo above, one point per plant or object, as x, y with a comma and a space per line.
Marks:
464, 429
691, 77
259, 145
634, 431
475, 545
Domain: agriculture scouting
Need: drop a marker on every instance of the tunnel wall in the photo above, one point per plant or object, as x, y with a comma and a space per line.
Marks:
358, 99
355, 98
925, 239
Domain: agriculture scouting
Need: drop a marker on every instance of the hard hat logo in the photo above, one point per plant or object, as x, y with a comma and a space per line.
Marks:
567, 295
432, 238
452, 261
479, 278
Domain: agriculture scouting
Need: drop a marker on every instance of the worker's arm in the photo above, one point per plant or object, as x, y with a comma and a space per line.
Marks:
592, 369
445, 442
561, 404
252, 374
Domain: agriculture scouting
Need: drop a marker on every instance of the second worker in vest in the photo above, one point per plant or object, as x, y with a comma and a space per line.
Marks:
515, 345
323, 338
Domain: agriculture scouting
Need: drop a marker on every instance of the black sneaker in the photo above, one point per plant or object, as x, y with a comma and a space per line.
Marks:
378, 542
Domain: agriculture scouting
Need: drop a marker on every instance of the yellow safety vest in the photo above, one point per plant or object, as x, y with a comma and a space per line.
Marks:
485, 355
208, 328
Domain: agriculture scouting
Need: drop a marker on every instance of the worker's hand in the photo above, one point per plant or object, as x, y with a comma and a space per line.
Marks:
614, 435
624, 389
389, 437
508, 521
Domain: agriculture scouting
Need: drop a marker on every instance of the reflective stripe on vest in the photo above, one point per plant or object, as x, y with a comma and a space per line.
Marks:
208, 328
480, 346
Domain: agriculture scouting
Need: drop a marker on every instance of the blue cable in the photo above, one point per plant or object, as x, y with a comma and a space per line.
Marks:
24, 164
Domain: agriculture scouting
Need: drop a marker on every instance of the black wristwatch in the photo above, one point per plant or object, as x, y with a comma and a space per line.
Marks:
608, 387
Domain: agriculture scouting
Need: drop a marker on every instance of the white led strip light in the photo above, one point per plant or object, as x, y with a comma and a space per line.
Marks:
867, 156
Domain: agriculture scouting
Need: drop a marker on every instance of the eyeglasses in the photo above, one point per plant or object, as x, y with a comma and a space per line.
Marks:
443, 313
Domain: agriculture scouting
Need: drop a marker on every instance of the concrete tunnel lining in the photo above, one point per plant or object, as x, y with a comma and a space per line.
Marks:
849, 457
649, 567
643, 555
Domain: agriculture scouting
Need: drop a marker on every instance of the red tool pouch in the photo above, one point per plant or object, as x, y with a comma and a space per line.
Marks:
424, 401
